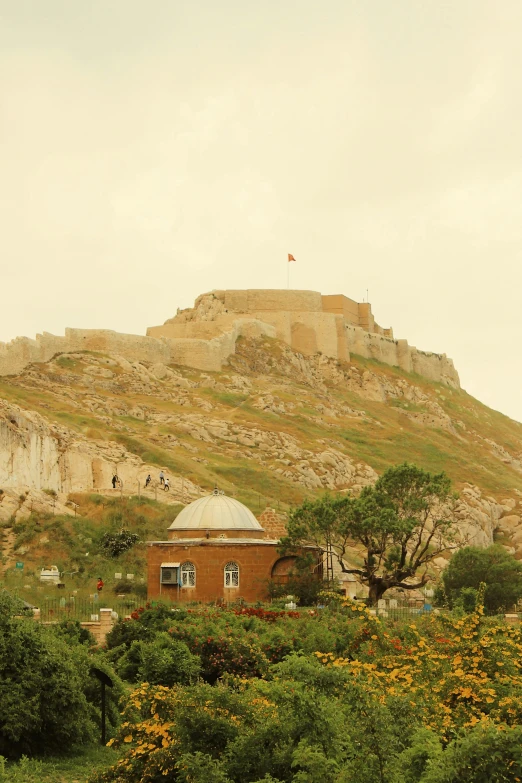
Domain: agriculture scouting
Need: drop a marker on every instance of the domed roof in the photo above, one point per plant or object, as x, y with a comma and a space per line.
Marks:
215, 512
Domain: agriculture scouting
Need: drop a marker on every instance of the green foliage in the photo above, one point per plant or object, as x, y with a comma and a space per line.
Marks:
123, 586
403, 522
161, 661
498, 569
73, 632
490, 754
46, 699
114, 544
304, 589
438, 700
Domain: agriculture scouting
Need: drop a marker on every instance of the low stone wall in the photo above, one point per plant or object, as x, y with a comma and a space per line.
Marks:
99, 628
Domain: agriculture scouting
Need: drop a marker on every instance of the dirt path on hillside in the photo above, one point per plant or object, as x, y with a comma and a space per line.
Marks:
8, 548
170, 498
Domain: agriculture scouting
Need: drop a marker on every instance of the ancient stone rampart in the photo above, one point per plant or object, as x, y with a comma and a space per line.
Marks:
310, 323
205, 336
207, 351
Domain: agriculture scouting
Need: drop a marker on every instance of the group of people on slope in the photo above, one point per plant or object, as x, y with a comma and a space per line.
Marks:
163, 480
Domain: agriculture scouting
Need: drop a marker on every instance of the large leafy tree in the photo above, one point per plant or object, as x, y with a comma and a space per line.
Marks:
402, 523
495, 567
49, 699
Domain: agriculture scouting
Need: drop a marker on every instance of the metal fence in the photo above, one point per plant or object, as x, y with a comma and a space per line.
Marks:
404, 612
82, 609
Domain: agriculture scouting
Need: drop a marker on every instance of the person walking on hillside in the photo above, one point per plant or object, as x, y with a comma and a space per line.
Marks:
115, 481
162, 477
147, 481
167, 485
99, 584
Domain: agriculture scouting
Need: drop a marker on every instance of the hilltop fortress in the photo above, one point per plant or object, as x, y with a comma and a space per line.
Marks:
203, 337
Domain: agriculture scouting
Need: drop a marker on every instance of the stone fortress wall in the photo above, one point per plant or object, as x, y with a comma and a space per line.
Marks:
310, 323
203, 337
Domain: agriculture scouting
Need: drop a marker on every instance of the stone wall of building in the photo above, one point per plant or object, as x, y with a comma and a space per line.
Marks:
310, 323
255, 561
274, 523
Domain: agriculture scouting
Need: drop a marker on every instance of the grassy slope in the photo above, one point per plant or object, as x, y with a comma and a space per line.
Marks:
386, 437
76, 768
64, 541
383, 436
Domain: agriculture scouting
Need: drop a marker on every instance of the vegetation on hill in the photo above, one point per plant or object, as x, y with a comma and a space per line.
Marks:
78, 546
274, 428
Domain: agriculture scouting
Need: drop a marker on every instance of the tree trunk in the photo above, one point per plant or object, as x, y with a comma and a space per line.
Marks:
377, 588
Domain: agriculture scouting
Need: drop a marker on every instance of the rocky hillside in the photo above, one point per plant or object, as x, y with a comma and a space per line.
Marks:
271, 429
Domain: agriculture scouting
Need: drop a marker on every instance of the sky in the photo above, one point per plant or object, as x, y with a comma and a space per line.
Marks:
153, 151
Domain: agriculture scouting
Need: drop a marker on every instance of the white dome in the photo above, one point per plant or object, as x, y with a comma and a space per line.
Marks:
215, 512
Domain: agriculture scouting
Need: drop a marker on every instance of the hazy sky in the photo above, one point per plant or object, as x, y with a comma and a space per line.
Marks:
153, 150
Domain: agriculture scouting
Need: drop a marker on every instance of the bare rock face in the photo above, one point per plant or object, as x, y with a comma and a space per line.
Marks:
17, 503
37, 455
206, 308
477, 517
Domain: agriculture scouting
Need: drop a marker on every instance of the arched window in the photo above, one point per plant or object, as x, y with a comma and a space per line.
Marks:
231, 575
188, 574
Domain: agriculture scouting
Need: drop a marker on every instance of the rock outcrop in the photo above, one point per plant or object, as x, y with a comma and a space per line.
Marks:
36, 455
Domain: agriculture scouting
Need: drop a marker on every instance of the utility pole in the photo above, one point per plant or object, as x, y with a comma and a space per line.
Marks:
329, 561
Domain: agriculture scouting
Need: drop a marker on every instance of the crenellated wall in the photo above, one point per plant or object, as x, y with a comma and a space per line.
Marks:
205, 336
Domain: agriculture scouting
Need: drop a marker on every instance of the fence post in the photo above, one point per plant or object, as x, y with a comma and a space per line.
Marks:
139, 493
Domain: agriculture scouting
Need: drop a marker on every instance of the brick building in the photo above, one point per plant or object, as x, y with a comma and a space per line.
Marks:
218, 551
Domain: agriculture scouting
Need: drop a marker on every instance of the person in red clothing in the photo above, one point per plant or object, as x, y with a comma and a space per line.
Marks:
99, 584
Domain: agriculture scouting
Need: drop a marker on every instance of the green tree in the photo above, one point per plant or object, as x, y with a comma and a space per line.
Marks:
403, 522
483, 754
48, 698
499, 570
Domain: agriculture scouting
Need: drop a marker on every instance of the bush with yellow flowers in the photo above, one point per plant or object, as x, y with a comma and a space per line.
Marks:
436, 700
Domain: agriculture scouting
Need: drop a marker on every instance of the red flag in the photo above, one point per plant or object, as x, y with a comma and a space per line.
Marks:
290, 257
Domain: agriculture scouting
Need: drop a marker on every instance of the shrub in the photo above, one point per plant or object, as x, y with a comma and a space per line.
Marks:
114, 544
485, 754
73, 632
160, 661
123, 586
496, 568
165, 661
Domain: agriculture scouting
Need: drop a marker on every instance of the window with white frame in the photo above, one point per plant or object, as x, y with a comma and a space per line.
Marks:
231, 575
188, 574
